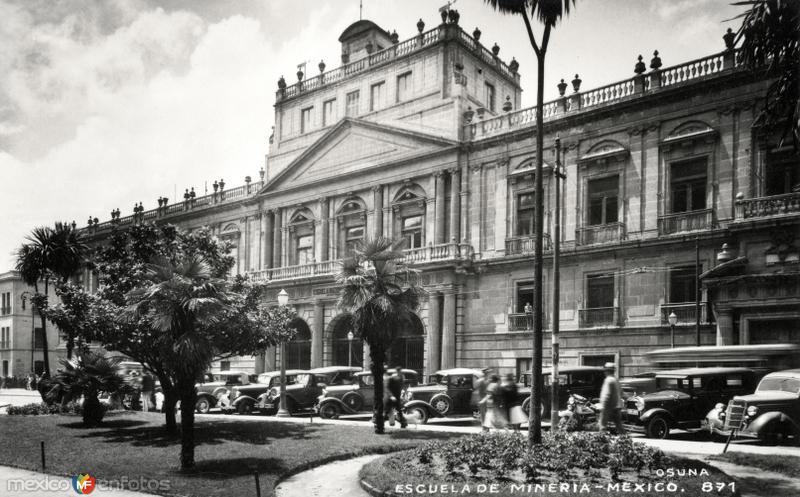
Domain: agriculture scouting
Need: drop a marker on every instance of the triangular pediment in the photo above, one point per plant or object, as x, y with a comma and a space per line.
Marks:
353, 146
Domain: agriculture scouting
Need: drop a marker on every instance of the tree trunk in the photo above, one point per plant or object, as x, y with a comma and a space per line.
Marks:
44, 338
170, 401
188, 397
70, 345
377, 355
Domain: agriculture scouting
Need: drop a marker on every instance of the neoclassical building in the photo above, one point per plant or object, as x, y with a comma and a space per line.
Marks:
425, 140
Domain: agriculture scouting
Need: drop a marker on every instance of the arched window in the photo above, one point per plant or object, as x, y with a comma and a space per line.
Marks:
346, 352
409, 215
298, 350
351, 220
301, 237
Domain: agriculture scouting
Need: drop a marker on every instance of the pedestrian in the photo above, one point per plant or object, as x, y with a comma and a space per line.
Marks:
158, 397
514, 413
611, 400
148, 385
480, 391
29, 383
495, 417
394, 400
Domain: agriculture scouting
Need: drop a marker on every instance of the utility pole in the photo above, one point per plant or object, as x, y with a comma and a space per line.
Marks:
697, 289
558, 175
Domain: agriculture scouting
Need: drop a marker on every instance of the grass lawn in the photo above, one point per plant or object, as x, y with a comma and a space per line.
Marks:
786, 465
134, 445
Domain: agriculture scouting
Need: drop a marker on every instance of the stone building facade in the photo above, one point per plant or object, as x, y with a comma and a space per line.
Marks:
424, 139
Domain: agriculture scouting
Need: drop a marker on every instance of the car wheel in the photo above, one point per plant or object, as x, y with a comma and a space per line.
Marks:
329, 410
245, 407
202, 406
353, 400
657, 427
526, 406
442, 404
418, 413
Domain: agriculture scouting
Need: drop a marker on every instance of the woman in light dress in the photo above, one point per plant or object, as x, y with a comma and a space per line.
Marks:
495, 410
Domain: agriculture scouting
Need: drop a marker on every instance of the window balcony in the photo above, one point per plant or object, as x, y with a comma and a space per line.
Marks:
598, 316
762, 207
518, 321
524, 244
601, 233
685, 313
679, 222
5, 310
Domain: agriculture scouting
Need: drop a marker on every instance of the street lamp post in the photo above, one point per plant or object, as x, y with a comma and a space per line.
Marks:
559, 175
673, 320
283, 301
350, 337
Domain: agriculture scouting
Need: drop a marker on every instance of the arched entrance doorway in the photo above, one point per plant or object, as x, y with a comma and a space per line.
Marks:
345, 353
408, 348
298, 350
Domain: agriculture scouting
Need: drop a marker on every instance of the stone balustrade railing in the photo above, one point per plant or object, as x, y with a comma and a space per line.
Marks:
525, 244
619, 91
768, 206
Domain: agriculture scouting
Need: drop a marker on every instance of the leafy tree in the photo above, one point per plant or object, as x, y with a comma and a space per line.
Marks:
549, 13
87, 376
769, 34
381, 294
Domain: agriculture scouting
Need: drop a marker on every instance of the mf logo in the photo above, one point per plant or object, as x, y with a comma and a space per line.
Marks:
83, 483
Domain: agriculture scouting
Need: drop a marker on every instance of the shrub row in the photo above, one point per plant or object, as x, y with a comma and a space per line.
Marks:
42, 408
497, 455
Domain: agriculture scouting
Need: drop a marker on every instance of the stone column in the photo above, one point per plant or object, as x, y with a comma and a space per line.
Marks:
276, 239
449, 331
377, 199
455, 204
317, 334
240, 250
324, 232
725, 327
268, 228
247, 240
434, 332
439, 212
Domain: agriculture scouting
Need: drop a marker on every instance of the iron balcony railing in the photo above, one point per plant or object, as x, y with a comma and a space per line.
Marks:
601, 233
685, 312
525, 244
598, 316
679, 222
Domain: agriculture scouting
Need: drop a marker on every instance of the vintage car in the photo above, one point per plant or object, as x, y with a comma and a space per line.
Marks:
244, 398
449, 393
582, 380
771, 413
307, 387
356, 398
683, 397
638, 384
218, 383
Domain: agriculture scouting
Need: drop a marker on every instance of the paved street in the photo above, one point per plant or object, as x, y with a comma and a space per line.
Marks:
17, 397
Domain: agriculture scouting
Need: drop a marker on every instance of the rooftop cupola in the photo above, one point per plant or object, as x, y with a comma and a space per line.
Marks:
363, 38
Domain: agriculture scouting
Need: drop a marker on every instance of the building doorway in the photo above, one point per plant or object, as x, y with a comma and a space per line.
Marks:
408, 348
298, 350
346, 353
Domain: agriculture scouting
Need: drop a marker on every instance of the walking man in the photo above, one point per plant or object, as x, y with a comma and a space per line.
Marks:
148, 385
395, 399
480, 393
610, 400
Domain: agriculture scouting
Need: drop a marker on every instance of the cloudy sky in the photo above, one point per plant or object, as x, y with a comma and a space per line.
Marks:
104, 103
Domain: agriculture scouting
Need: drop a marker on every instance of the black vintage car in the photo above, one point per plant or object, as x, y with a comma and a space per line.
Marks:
585, 381
683, 398
771, 413
244, 398
214, 385
448, 393
356, 398
308, 386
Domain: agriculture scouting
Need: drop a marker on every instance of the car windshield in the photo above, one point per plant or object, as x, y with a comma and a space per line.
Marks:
290, 380
230, 379
678, 383
336, 378
780, 383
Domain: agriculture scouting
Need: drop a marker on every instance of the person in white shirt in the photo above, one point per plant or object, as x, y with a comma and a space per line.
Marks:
611, 400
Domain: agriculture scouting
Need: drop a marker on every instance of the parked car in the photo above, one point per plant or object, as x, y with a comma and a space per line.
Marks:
244, 398
218, 383
356, 398
585, 381
307, 387
683, 397
771, 413
638, 384
448, 393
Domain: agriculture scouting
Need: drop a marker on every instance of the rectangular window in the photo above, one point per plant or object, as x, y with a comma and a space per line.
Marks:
38, 338
526, 214
524, 295
412, 231
781, 173
5, 369
597, 360
681, 285
305, 249
225, 365
489, 96
523, 367
599, 291
329, 112
351, 103
5, 307
404, 87
603, 194
688, 185
353, 236
376, 92
38, 367
305, 119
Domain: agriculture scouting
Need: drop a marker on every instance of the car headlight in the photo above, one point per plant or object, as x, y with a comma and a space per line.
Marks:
408, 396
720, 406
571, 401
639, 403
752, 411
234, 394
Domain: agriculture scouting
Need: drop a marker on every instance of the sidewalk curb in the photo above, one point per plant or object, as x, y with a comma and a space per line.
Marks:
374, 492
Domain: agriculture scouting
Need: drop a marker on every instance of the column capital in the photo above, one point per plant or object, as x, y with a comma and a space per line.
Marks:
376, 188
454, 170
439, 174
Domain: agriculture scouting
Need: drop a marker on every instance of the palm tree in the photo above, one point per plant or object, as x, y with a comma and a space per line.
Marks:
769, 32
548, 12
87, 376
69, 250
181, 302
381, 294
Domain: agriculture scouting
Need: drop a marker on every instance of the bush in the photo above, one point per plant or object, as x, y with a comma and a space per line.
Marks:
42, 408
